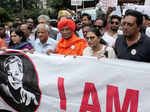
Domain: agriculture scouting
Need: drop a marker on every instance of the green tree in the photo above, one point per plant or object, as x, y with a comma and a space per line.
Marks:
30, 4
59, 4
56, 5
21, 8
8, 4
4, 16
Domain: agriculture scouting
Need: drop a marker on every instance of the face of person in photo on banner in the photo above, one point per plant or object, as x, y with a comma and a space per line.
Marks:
19, 88
15, 71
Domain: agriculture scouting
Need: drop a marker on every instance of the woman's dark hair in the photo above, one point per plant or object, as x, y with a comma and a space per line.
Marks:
95, 31
20, 34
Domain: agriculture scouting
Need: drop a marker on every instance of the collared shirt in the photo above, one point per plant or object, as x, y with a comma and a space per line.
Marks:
40, 48
139, 51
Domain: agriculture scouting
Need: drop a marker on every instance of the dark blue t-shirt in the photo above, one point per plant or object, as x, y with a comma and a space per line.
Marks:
140, 51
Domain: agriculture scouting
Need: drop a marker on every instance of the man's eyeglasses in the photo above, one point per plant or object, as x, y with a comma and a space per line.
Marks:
128, 24
112, 22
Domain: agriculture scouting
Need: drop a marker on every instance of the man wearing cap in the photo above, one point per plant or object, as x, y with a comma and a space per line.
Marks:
69, 44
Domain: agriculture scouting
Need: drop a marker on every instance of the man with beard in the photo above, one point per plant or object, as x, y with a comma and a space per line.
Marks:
110, 36
133, 45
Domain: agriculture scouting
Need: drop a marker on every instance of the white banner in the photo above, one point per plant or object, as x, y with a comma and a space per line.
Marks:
108, 3
76, 2
147, 2
85, 84
141, 8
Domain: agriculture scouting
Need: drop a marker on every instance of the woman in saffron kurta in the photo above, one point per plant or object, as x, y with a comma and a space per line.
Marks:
69, 44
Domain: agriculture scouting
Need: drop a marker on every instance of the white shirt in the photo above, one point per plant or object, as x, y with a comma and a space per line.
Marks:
147, 32
110, 39
89, 52
40, 48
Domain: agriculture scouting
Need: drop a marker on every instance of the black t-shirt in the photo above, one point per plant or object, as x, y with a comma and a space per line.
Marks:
139, 51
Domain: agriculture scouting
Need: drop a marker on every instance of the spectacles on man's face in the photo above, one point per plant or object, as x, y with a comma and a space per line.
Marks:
113, 22
128, 24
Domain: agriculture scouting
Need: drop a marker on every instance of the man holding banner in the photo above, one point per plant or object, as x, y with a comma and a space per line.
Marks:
133, 45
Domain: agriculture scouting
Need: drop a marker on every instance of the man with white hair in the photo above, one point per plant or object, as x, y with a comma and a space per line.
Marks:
43, 43
44, 19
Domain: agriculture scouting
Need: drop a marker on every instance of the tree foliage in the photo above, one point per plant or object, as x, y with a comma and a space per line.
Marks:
21, 8
4, 16
56, 5
59, 4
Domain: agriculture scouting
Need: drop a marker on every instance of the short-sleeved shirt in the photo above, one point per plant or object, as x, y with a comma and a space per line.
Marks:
139, 51
40, 48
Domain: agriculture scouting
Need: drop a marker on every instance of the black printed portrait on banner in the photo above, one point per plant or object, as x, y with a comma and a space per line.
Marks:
19, 86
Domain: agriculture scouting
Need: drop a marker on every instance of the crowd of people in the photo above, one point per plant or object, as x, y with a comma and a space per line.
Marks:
112, 36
